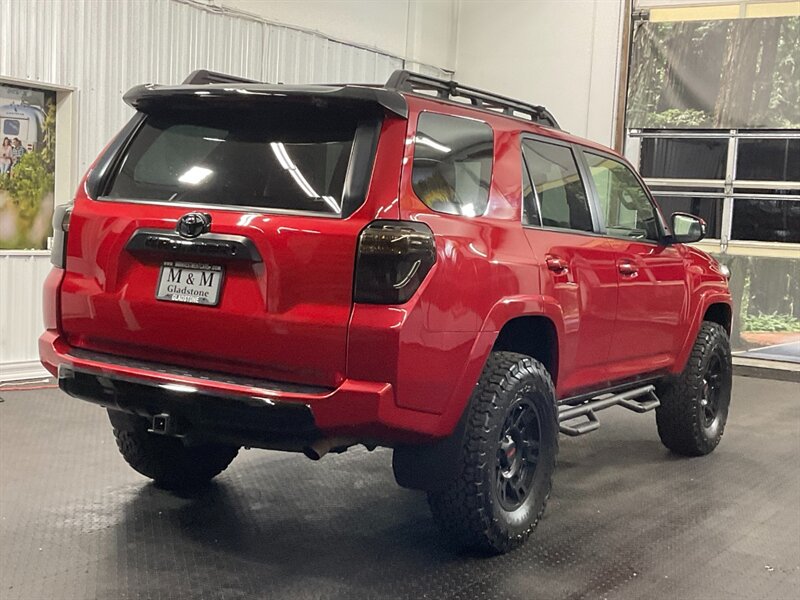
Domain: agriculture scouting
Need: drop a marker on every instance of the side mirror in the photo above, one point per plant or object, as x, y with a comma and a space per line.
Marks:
687, 228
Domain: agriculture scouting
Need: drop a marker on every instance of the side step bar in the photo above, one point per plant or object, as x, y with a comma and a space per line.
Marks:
640, 400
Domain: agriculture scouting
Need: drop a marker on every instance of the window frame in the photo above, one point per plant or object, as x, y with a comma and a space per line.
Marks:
597, 229
663, 230
491, 173
725, 190
526, 171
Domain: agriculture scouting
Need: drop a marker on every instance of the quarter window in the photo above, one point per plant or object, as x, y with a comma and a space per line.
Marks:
530, 206
562, 197
626, 208
452, 164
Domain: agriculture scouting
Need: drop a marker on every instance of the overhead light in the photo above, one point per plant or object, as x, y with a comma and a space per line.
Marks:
195, 175
279, 150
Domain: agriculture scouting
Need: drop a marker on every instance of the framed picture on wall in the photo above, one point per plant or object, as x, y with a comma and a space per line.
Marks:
27, 166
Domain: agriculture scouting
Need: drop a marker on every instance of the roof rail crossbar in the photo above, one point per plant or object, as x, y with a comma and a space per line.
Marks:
202, 76
406, 81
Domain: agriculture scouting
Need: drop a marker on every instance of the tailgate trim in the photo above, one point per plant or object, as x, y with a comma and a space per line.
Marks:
208, 245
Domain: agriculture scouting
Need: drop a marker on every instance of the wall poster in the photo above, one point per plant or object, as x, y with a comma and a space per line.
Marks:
27, 166
724, 74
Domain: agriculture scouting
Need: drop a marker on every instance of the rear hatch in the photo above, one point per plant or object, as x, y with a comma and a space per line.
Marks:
220, 231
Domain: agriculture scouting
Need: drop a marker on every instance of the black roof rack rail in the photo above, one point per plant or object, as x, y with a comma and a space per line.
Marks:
406, 81
202, 76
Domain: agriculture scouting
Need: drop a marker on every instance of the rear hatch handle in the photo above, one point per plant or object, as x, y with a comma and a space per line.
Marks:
209, 245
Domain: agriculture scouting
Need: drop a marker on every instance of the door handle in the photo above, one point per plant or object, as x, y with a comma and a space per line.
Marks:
556, 264
628, 269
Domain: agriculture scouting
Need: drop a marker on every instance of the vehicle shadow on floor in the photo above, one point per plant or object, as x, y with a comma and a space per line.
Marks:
268, 526
347, 517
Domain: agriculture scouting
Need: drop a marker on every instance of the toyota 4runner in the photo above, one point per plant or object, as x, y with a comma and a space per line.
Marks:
421, 265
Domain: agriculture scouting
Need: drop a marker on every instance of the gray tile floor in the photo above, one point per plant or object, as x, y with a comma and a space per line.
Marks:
627, 519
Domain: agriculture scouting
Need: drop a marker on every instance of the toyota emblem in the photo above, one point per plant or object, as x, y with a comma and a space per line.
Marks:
193, 224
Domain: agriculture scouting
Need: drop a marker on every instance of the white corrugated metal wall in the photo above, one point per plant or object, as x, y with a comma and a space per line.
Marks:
101, 49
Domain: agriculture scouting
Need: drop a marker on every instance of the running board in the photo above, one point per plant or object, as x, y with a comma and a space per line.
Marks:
640, 400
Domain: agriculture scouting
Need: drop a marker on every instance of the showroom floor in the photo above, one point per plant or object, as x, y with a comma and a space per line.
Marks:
626, 520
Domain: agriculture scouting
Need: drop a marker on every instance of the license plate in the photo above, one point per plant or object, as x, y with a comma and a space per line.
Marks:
190, 282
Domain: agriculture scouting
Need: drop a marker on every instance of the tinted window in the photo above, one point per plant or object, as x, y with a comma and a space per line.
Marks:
768, 160
766, 220
708, 209
290, 159
562, 198
452, 164
684, 158
626, 208
530, 205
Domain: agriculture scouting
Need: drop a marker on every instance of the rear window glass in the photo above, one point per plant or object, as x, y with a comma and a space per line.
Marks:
452, 164
289, 159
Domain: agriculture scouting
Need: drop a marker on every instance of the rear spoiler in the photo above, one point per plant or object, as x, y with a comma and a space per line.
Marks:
205, 76
146, 97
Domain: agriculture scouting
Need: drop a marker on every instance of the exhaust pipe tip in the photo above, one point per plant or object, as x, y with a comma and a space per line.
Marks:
322, 446
312, 453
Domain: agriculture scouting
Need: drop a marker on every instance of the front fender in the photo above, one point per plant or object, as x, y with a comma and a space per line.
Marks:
705, 300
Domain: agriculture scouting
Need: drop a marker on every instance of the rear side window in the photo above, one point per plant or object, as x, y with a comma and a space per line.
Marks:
293, 159
563, 202
452, 164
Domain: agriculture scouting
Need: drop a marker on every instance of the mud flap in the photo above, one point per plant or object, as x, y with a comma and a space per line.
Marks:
430, 467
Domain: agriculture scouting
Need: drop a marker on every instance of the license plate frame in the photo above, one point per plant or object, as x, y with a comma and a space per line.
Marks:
190, 283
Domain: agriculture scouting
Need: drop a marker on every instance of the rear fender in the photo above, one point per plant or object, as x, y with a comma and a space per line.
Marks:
501, 313
430, 467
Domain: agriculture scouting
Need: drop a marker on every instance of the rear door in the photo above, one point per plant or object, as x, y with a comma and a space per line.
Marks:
225, 237
653, 295
578, 262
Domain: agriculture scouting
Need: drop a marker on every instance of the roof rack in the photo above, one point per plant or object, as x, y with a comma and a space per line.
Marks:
406, 81
202, 76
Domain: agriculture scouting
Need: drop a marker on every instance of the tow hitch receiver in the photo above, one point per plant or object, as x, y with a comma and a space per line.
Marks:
640, 400
162, 424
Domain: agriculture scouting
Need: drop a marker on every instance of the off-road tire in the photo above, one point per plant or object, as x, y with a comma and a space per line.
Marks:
469, 511
168, 462
684, 426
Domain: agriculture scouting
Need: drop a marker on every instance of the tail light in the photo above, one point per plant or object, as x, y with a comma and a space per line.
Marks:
58, 254
393, 259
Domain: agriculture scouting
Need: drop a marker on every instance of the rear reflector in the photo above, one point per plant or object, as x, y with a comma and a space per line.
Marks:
393, 259
58, 254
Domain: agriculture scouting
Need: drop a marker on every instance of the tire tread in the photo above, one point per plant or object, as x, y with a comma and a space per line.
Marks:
462, 510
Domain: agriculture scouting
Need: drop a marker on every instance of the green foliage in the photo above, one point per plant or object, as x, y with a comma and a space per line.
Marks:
49, 139
676, 117
32, 180
770, 322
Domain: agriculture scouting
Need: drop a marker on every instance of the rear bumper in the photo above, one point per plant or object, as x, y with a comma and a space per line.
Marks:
250, 412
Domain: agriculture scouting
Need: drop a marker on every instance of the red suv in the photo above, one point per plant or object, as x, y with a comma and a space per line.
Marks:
421, 265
